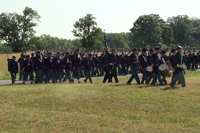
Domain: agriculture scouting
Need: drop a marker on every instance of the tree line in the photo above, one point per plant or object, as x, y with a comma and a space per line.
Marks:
17, 33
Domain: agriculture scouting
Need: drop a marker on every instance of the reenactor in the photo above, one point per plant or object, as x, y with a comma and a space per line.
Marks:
143, 63
38, 66
13, 68
58, 69
133, 59
20, 61
113, 66
107, 68
28, 69
77, 65
67, 64
156, 62
49, 65
88, 63
178, 63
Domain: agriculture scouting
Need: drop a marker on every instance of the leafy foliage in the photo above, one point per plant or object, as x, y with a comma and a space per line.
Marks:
17, 30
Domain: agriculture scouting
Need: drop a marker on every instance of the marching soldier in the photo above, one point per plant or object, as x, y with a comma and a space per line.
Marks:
58, 67
38, 65
178, 63
13, 68
88, 64
156, 61
107, 67
49, 65
20, 61
77, 64
113, 66
143, 64
28, 69
67, 66
134, 62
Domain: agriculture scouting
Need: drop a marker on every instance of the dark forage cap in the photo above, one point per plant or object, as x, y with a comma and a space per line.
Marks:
77, 49
173, 50
157, 47
14, 56
151, 50
163, 52
50, 53
67, 53
144, 50
134, 49
28, 55
38, 51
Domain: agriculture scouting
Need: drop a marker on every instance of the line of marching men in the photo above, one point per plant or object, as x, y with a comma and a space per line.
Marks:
63, 67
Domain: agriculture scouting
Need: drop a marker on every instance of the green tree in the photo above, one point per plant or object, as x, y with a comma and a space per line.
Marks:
17, 30
181, 26
146, 31
86, 30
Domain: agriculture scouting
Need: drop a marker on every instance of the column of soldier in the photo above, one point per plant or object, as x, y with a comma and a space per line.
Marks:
154, 66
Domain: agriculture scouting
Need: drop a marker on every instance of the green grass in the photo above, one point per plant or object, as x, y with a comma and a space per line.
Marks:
101, 107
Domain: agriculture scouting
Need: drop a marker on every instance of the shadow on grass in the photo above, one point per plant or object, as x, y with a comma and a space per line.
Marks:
169, 88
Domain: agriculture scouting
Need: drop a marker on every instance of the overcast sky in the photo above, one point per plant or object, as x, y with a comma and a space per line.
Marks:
58, 16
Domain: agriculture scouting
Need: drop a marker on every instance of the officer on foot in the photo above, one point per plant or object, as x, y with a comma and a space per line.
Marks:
13, 68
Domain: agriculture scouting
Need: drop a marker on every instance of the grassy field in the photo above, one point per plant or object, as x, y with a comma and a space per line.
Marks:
101, 107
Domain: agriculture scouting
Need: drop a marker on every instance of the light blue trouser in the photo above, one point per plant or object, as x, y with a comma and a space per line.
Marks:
134, 72
78, 71
179, 76
25, 75
67, 75
144, 76
50, 74
39, 76
157, 76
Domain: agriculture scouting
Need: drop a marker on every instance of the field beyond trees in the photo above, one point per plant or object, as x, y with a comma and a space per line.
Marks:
101, 107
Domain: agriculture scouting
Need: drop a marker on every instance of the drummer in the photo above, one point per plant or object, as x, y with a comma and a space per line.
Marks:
178, 63
143, 64
156, 62
164, 60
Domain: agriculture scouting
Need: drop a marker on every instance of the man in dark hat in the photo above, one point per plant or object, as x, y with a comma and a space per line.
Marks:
28, 69
13, 68
76, 62
49, 65
156, 62
113, 66
67, 64
143, 64
178, 62
134, 63
38, 65
20, 61
107, 68
58, 67
88, 63
150, 63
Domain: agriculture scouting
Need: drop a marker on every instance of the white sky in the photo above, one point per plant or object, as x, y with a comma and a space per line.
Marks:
58, 16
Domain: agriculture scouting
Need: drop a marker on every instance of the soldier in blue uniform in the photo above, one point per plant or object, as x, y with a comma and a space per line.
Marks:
88, 64
13, 68
133, 59
143, 64
77, 64
38, 65
28, 69
156, 62
49, 65
178, 63
58, 69
67, 63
